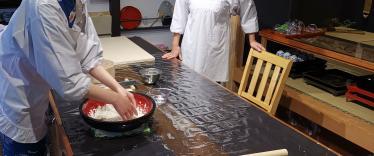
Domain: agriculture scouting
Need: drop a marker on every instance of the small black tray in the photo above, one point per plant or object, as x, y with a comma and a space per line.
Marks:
310, 63
366, 83
335, 92
298, 68
333, 80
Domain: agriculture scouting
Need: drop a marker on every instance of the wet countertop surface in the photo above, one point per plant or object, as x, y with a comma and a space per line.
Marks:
200, 118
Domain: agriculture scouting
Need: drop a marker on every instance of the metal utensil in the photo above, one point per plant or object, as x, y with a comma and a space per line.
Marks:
150, 75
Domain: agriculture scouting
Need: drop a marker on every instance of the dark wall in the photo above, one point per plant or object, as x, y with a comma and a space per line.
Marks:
316, 11
320, 12
272, 12
370, 20
9, 3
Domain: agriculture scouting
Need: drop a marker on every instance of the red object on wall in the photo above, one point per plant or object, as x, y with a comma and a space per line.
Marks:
130, 17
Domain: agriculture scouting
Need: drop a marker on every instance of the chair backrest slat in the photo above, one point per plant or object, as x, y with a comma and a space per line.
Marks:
272, 84
265, 77
279, 89
257, 71
244, 81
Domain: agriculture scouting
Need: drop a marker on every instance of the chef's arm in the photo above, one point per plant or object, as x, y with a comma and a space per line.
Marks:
122, 100
176, 40
249, 22
177, 27
254, 44
121, 103
104, 95
104, 77
175, 50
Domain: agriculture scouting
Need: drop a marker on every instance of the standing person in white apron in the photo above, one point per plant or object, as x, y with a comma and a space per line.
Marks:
49, 44
205, 25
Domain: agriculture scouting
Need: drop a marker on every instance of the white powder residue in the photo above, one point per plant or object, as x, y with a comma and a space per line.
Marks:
109, 113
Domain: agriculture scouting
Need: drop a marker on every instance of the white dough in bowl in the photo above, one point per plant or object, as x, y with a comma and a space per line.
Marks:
109, 113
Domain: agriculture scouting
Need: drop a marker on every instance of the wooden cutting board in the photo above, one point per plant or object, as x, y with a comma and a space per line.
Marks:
359, 38
370, 43
121, 51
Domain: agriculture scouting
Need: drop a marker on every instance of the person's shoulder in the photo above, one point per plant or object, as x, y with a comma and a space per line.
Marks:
50, 4
47, 7
50, 11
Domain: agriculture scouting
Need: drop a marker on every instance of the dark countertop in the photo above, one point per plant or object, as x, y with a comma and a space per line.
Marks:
200, 118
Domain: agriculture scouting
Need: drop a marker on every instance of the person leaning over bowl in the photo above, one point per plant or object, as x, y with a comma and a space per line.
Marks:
205, 25
49, 44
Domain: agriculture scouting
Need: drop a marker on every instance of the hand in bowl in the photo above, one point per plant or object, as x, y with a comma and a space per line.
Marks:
125, 105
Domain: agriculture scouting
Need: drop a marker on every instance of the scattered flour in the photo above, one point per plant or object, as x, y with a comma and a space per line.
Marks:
109, 113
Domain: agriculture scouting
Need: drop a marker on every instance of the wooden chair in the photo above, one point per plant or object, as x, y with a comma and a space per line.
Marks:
272, 79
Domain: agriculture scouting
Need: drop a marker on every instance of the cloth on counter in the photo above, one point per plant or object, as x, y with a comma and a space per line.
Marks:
143, 129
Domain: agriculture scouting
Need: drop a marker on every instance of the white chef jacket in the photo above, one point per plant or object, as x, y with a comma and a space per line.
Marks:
39, 51
206, 28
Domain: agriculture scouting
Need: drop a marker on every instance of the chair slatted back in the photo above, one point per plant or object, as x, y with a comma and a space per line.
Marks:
267, 80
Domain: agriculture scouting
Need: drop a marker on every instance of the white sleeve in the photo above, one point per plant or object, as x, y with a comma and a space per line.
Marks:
248, 16
56, 59
180, 16
89, 47
2, 27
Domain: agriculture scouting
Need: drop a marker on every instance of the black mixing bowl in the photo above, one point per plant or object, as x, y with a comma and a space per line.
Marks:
143, 101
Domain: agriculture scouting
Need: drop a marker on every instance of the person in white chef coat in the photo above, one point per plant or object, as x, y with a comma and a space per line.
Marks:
49, 44
205, 25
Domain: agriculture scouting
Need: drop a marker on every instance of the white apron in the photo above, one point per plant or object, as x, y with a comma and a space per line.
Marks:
206, 28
